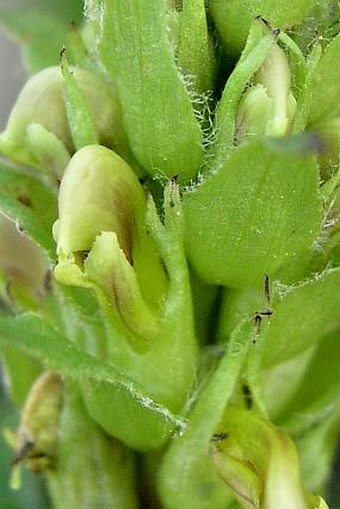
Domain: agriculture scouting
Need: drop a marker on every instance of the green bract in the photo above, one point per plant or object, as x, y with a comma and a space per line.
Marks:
142, 422
164, 134
233, 18
259, 212
187, 473
325, 87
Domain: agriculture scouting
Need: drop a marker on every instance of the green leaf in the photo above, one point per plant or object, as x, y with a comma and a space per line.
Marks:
260, 211
139, 421
302, 318
163, 133
326, 85
31, 203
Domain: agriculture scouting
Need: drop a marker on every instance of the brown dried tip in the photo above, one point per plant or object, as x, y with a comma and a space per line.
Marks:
274, 31
219, 437
62, 53
22, 452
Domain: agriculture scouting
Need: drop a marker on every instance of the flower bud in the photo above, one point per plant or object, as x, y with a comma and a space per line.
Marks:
259, 463
94, 196
36, 439
101, 235
274, 74
148, 323
42, 102
254, 113
268, 107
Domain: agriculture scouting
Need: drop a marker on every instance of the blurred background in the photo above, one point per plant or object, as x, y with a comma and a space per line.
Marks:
12, 74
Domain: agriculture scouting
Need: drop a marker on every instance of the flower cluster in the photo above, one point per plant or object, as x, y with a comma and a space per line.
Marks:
180, 156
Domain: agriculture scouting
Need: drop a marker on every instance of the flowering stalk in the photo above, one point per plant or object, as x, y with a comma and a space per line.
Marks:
182, 156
